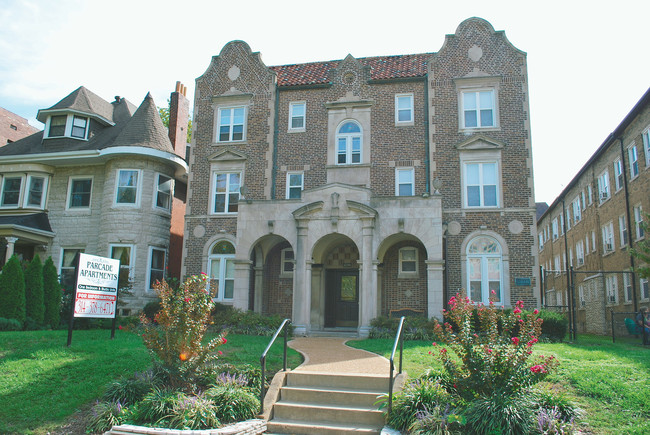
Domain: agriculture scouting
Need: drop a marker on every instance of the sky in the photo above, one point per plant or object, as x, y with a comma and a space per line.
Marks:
588, 61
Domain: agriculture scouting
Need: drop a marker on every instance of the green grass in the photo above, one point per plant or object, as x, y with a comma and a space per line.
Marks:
609, 381
43, 382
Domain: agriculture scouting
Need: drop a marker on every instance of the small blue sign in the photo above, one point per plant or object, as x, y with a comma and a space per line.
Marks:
522, 282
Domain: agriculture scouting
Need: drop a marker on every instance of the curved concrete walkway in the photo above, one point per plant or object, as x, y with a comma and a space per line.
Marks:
332, 355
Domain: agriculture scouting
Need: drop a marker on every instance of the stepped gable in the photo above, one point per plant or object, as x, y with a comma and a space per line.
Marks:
145, 129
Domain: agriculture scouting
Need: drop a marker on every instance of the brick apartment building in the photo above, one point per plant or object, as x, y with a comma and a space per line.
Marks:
101, 178
334, 192
593, 224
13, 127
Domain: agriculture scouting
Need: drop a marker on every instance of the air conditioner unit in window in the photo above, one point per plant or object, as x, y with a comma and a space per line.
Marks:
611, 298
583, 303
581, 261
609, 247
604, 196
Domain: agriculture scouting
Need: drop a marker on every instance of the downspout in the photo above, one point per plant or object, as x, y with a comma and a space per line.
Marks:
427, 159
566, 268
275, 142
628, 223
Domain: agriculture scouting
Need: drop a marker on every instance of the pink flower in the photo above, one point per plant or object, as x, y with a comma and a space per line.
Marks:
224, 341
531, 342
443, 351
434, 344
187, 299
535, 311
538, 369
429, 352
493, 292
516, 310
219, 352
515, 341
120, 327
489, 350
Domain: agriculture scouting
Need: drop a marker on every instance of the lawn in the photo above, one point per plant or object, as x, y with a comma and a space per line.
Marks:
610, 382
43, 382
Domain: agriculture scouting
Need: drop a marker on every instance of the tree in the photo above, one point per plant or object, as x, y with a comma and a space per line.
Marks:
52, 294
164, 116
642, 249
34, 297
12, 290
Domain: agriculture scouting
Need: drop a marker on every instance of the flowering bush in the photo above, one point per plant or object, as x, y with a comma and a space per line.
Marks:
497, 358
178, 328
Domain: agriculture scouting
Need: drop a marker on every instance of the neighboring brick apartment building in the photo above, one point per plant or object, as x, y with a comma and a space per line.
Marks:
13, 127
334, 192
99, 179
593, 224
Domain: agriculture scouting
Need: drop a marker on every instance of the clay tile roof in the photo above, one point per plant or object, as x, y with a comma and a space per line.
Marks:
381, 68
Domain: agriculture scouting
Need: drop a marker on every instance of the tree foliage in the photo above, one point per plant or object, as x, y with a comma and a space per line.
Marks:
34, 296
164, 116
642, 250
52, 294
12, 290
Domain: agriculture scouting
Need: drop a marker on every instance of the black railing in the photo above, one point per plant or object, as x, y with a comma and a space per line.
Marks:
391, 379
285, 325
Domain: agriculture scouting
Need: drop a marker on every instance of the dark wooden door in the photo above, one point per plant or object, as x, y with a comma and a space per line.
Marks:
342, 298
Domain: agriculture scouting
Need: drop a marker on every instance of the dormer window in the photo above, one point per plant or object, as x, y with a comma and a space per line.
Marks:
79, 127
68, 126
57, 126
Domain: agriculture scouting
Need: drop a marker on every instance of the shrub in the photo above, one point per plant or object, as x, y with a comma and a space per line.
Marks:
10, 324
12, 291
131, 390
415, 328
555, 325
422, 395
32, 325
557, 405
237, 321
217, 374
195, 412
105, 415
506, 414
51, 294
233, 403
151, 309
157, 406
180, 326
436, 421
34, 295
550, 421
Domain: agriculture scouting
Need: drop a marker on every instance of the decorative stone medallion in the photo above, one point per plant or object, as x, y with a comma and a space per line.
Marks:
475, 53
515, 227
349, 77
453, 228
233, 73
199, 231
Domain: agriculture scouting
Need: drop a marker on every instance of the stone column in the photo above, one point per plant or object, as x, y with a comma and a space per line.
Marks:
11, 241
368, 279
242, 280
257, 303
435, 270
302, 282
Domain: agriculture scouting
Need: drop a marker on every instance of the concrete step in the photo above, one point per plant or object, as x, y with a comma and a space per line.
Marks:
320, 413
345, 381
306, 428
324, 395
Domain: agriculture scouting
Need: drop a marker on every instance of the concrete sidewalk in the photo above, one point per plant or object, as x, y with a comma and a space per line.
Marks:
332, 355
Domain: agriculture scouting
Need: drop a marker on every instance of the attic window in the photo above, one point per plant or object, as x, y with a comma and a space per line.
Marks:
57, 126
68, 125
79, 125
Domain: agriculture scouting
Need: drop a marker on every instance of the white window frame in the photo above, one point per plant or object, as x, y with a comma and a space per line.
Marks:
27, 185
587, 251
292, 106
485, 279
287, 263
493, 107
48, 126
577, 212
69, 126
21, 190
410, 172
584, 202
638, 218
618, 174
580, 253
633, 159
138, 188
646, 145
590, 194
398, 109
228, 192
581, 296
150, 268
644, 289
627, 287
568, 219
68, 197
158, 192
608, 238
555, 229
132, 253
407, 273
623, 233
231, 125
593, 241
73, 119
611, 289
290, 186
604, 192
224, 260
541, 241
349, 144
481, 164
66, 269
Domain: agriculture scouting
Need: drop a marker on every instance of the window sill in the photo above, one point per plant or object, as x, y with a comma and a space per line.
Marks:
468, 130
285, 275
405, 124
408, 275
218, 215
234, 142
296, 130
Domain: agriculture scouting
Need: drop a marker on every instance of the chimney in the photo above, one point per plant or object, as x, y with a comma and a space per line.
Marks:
179, 111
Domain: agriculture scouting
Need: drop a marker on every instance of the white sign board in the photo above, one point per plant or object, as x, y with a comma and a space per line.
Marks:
96, 292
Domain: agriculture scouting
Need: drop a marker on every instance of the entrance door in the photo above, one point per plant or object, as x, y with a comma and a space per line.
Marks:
342, 300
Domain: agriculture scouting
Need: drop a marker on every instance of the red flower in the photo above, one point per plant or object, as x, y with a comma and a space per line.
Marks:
531, 342
515, 340
434, 344
224, 341
443, 351
516, 310
535, 311
219, 352
120, 327
538, 369
187, 299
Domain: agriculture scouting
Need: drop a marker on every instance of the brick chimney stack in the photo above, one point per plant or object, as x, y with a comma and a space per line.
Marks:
179, 111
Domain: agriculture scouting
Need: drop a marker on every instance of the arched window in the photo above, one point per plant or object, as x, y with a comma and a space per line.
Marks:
348, 143
484, 270
221, 271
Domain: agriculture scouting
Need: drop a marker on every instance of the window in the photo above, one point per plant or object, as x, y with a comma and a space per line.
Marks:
645, 289
593, 241
408, 261
127, 186
295, 185
584, 203
634, 161
627, 287
646, 146
481, 181
603, 186
608, 238
221, 271
79, 127
156, 266
79, 193
484, 270
478, 109
403, 109
225, 195
561, 224
11, 187
67, 272
555, 229
126, 255
589, 194
57, 126
231, 123
638, 219
568, 219
36, 191
611, 288
618, 174
287, 260
581, 296
404, 182
586, 245
571, 257
297, 113
541, 241
580, 253
164, 192
577, 212
622, 230
348, 144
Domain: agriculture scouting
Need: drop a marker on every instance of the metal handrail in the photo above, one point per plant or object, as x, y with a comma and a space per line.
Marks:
285, 325
391, 380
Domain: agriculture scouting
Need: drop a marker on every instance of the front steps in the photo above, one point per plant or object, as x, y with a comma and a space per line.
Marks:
328, 404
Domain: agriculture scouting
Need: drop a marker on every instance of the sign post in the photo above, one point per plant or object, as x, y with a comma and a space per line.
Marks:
95, 289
